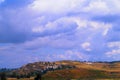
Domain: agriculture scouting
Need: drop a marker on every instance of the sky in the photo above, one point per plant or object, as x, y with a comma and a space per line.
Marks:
53, 30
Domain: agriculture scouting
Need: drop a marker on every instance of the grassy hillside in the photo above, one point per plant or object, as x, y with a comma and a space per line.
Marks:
81, 71
93, 65
75, 74
86, 70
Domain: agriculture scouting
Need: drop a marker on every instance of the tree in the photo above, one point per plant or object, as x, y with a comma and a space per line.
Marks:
38, 77
3, 76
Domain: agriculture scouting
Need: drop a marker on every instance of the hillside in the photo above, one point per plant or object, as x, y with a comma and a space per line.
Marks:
64, 70
89, 70
42, 67
106, 66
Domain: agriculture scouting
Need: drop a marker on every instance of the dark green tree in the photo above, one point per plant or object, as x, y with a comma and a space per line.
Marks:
3, 76
38, 77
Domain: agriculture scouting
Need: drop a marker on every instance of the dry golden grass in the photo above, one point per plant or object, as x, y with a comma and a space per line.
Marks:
94, 66
11, 79
20, 78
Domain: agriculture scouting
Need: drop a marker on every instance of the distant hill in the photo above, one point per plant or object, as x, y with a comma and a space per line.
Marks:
63, 70
41, 67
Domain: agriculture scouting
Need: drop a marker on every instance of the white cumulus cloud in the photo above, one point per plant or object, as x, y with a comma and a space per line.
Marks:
114, 44
98, 7
86, 46
113, 53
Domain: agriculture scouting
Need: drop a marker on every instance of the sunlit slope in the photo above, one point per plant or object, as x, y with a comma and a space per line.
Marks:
85, 70
93, 65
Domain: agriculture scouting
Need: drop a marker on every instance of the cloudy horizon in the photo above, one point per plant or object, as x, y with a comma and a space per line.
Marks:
42, 30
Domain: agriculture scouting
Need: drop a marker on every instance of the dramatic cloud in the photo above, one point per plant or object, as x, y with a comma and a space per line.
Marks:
56, 30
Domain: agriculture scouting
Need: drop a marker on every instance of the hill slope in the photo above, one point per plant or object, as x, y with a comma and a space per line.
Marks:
63, 70
83, 70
